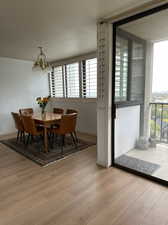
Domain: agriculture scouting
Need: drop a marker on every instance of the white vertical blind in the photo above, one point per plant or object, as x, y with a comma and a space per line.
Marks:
51, 83
72, 80
58, 81
90, 79
137, 68
121, 69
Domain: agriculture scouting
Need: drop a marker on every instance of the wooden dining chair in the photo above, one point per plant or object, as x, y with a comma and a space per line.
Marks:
71, 111
67, 126
26, 111
58, 111
19, 126
30, 128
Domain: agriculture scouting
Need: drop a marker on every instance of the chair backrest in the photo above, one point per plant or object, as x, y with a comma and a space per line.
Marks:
70, 111
27, 111
29, 124
18, 122
68, 123
58, 111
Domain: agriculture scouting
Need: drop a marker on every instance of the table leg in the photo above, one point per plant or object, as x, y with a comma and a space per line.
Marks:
45, 140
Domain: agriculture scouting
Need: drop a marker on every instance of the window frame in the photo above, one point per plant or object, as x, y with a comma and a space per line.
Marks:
84, 76
52, 89
131, 39
121, 97
66, 80
82, 68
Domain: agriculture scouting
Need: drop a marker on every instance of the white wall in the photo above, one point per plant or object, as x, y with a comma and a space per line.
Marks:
19, 87
127, 127
87, 108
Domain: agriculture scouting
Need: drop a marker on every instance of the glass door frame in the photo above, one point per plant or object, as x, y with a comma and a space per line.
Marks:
113, 113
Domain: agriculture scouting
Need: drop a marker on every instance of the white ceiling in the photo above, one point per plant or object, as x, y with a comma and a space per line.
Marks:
64, 28
152, 28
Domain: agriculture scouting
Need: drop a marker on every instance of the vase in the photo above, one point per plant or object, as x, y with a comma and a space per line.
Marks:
42, 110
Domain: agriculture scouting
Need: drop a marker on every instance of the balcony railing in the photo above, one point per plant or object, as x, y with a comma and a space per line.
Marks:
159, 121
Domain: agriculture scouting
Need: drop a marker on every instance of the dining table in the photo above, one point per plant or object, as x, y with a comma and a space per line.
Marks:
46, 119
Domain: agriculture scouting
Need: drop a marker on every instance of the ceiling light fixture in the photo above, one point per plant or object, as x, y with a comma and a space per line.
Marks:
41, 63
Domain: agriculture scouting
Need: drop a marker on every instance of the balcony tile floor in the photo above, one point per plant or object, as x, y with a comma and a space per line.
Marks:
158, 155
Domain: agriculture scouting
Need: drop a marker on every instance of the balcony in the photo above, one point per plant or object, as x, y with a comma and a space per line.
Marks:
159, 122
153, 160
159, 133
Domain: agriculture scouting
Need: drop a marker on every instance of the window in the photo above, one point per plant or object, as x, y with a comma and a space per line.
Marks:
51, 83
121, 69
72, 80
75, 80
137, 72
130, 68
58, 81
90, 78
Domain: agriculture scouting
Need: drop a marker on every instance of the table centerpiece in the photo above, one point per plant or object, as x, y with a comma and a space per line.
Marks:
42, 102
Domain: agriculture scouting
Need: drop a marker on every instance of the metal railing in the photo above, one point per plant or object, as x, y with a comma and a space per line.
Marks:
159, 121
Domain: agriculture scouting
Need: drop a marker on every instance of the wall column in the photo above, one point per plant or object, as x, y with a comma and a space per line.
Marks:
104, 38
148, 88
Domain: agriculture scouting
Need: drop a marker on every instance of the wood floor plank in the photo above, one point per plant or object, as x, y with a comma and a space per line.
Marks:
75, 191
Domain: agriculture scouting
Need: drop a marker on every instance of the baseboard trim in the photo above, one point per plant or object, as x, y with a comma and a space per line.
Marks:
3, 136
102, 164
84, 133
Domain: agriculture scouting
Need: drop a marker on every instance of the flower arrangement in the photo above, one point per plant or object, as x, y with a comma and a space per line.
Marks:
42, 102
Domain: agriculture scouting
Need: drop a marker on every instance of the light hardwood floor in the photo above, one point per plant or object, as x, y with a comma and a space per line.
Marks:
75, 191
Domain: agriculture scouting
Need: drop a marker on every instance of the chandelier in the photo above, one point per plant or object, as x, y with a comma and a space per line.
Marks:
41, 63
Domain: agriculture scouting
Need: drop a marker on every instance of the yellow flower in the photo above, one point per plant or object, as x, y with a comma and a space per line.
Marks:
38, 99
45, 99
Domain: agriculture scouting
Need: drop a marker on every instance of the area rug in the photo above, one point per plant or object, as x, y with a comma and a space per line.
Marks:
35, 151
137, 164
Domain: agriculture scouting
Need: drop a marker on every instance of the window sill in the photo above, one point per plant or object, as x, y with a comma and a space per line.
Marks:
84, 100
127, 104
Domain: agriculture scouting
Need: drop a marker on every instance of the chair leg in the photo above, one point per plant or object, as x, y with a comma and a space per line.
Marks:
62, 144
74, 140
24, 138
63, 140
32, 139
51, 140
76, 136
18, 134
41, 136
53, 137
28, 138
56, 138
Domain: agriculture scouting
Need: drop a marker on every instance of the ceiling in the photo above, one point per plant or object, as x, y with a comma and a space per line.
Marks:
65, 28
152, 28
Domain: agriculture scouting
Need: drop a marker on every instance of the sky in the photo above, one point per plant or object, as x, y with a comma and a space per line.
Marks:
160, 67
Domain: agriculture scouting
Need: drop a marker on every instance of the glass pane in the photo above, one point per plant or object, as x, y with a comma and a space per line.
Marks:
138, 72
121, 69
72, 71
91, 78
58, 78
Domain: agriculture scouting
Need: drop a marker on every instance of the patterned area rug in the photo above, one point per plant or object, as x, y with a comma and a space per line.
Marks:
35, 152
137, 164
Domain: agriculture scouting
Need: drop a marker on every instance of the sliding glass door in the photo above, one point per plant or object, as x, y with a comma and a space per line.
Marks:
129, 93
140, 125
